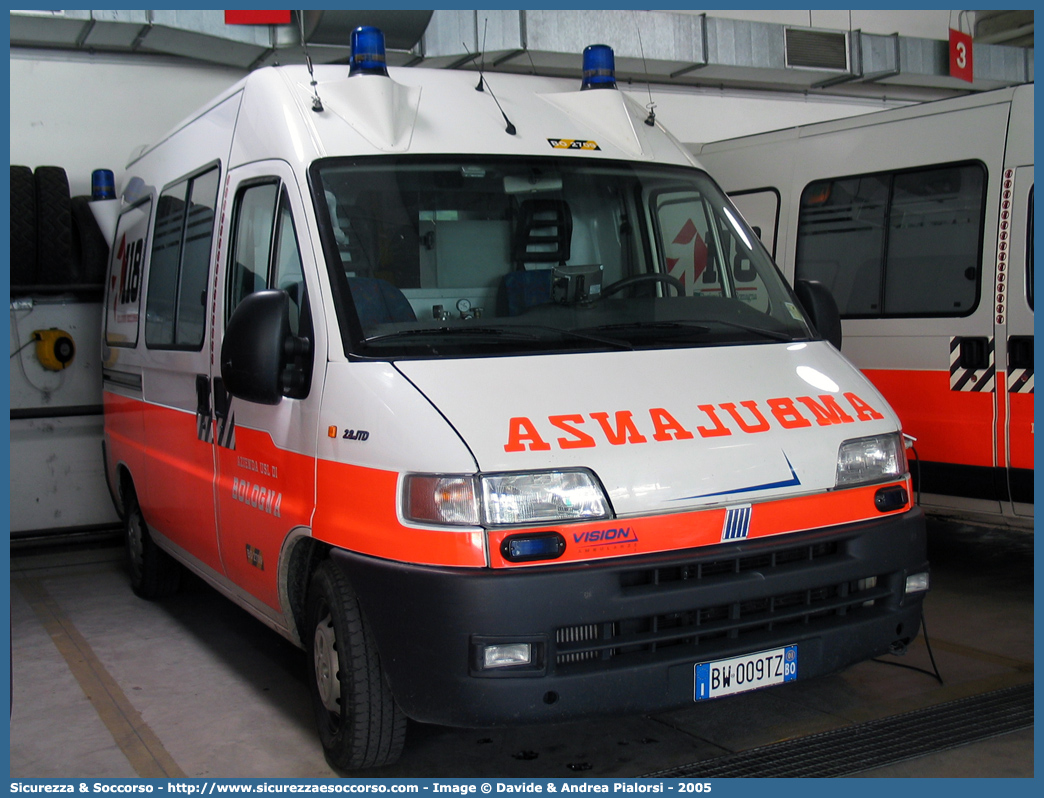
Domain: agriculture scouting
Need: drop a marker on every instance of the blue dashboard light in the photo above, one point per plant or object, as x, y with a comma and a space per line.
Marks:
368, 52
599, 67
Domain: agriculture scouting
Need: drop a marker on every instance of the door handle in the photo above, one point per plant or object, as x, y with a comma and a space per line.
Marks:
975, 353
1020, 352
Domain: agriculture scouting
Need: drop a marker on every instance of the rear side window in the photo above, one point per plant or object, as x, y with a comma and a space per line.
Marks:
175, 313
896, 244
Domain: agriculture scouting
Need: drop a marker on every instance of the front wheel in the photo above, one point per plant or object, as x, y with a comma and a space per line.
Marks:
360, 725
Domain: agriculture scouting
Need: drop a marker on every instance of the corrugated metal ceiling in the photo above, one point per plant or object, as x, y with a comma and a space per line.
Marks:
651, 46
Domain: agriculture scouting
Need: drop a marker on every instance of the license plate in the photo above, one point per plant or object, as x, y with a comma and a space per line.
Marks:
748, 672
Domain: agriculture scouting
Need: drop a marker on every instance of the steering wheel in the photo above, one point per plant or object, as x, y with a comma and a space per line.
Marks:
648, 277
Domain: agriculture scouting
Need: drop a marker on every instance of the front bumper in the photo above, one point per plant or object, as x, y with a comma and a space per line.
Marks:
622, 636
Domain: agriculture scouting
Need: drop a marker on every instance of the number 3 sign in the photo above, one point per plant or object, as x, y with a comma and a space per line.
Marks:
961, 55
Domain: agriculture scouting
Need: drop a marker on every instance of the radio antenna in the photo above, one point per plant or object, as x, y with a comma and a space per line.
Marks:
482, 55
650, 120
317, 104
510, 127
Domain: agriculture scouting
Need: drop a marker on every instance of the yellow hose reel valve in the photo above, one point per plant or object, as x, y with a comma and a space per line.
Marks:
54, 348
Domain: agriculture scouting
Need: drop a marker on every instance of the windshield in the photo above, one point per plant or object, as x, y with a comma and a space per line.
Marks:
486, 256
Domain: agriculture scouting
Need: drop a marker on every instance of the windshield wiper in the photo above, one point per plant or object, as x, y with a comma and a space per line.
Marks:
773, 334
699, 327
512, 332
582, 335
442, 332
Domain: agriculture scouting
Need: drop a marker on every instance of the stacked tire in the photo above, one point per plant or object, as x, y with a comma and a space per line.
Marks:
90, 250
55, 240
23, 226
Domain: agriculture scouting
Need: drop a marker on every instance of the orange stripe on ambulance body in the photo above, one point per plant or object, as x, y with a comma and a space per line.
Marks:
686, 530
1020, 417
178, 491
123, 429
264, 493
950, 426
1000, 435
356, 510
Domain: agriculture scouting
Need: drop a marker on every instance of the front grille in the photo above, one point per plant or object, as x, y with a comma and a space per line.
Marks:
706, 630
764, 562
577, 634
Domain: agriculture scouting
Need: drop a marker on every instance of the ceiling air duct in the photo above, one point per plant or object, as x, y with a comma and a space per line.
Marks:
816, 49
402, 29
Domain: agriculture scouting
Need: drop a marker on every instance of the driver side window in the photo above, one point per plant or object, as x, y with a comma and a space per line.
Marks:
265, 254
252, 242
287, 273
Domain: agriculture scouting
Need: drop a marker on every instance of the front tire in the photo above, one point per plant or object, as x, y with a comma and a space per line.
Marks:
154, 574
360, 725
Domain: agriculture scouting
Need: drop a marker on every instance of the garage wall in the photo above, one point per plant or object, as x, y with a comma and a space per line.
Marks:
57, 480
85, 112
80, 112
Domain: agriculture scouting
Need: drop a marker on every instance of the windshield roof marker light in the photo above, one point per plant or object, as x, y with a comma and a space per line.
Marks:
368, 52
599, 67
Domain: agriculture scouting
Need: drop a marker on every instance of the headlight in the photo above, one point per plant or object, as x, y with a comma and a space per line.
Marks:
505, 499
874, 459
540, 497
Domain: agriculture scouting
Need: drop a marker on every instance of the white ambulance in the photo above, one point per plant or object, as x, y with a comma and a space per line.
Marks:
403, 368
920, 221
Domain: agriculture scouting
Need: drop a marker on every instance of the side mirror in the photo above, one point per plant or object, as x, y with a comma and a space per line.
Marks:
257, 348
819, 304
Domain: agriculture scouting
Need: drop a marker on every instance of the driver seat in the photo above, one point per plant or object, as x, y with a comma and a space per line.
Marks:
543, 234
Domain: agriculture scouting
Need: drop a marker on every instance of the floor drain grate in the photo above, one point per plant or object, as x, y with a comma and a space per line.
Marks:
875, 743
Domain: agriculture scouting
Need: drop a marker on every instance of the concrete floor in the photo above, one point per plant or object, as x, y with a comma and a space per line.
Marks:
108, 685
